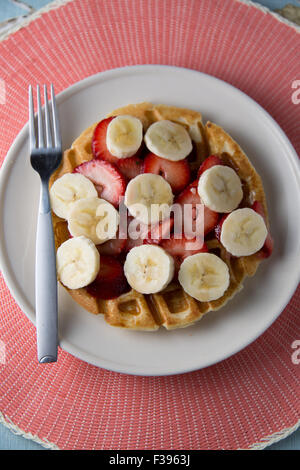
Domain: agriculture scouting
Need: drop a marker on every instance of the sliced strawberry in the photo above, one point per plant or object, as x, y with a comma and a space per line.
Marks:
258, 207
110, 281
190, 196
112, 247
181, 248
130, 167
148, 234
135, 229
99, 147
108, 180
158, 232
210, 161
116, 246
184, 247
177, 174
132, 243
267, 249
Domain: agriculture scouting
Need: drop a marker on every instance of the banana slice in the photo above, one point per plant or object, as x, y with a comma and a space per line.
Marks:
204, 276
66, 190
148, 268
243, 232
148, 197
124, 136
93, 218
168, 140
220, 189
78, 262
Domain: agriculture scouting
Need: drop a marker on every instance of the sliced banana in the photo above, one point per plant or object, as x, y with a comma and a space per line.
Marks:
93, 218
78, 262
148, 198
243, 232
168, 140
220, 189
66, 190
124, 136
204, 276
148, 268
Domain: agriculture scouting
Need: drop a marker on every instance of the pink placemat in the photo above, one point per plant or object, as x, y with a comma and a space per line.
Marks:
248, 400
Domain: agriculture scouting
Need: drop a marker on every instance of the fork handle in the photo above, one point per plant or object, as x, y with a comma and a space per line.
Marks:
45, 282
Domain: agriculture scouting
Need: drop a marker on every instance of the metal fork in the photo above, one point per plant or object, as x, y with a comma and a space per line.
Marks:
45, 159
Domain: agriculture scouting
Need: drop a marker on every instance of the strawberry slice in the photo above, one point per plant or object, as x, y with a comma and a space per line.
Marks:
267, 249
132, 243
129, 167
180, 249
177, 174
184, 247
135, 228
210, 161
112, 247
149, 234
110, 281
190, 196
115, 246
108, 180
99, 147
159, 232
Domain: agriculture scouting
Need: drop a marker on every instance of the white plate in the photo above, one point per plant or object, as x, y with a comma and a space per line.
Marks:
219, 334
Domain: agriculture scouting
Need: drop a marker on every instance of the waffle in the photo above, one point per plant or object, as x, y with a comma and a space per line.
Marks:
173, 307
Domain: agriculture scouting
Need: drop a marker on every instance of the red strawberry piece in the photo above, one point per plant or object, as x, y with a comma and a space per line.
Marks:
177, 174
184, 247
158, 232
190, 196
108, 180
115, 246
210, 161
218, 228
110, 281
267, 249
161, 231
180, 249
132, 243
136, 233
148, 234
130, 167
258, 207
99, 147
112, 247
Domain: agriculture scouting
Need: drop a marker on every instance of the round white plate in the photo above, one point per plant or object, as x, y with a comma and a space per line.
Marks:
219, 334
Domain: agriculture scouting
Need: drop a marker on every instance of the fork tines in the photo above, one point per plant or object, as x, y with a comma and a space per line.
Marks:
53, 139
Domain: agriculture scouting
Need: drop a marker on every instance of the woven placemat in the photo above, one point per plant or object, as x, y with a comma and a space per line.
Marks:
247, 401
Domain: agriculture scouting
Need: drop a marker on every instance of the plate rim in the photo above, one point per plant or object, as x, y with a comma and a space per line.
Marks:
5, 263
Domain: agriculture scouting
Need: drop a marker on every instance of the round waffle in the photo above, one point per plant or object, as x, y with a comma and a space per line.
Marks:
172, 307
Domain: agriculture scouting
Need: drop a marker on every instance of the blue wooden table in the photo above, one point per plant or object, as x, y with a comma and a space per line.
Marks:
11, 9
